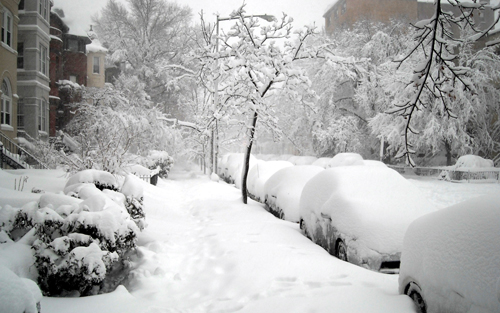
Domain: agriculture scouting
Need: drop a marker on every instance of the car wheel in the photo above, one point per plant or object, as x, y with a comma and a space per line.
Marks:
341, 251
302, 226
415, 293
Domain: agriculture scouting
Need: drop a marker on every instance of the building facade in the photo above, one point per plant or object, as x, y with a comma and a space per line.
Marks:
343, 14
8, 67
33, 69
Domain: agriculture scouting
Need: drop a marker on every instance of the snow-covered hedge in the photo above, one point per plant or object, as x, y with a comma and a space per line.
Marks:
18, 295
160, 160
82, 240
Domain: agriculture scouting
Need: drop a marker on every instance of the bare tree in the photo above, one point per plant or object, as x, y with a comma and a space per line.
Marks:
152, 39
439, 76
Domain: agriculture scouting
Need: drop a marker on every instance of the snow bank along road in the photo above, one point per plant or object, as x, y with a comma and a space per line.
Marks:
205, 251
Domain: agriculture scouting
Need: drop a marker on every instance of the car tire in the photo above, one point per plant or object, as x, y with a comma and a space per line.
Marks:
415, 293
303, 228
341, 250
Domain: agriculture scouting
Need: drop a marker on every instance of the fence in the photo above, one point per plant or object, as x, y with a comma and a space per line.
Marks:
457, 175
152, 179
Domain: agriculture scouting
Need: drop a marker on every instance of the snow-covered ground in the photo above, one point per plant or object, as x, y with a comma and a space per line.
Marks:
205, 251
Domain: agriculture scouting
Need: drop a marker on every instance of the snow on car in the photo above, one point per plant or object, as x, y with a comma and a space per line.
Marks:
360, 214
302, 160
451, 258
346, 159
282, 190
259, 174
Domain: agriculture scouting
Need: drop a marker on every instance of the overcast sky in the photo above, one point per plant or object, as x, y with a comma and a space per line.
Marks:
304, 12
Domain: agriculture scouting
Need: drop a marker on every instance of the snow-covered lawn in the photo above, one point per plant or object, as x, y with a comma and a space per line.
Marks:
205, 251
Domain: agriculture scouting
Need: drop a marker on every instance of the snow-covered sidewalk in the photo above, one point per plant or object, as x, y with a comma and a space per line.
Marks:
205, 251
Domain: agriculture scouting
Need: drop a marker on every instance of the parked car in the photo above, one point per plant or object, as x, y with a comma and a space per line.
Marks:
360, 214
451, 258
283, 189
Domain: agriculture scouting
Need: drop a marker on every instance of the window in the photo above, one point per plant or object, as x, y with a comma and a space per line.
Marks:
73, 45
20, 115
42, 115
42, 55
344, 7
96, 65
6, 104
43, 9
20, 55
7, 27
21, 5
72, 79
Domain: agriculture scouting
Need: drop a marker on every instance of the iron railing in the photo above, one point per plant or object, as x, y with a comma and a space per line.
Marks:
15, 156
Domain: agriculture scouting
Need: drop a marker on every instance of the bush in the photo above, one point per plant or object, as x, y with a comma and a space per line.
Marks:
82, 246
160, 160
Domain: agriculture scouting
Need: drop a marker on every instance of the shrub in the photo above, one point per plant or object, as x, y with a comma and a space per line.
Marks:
160, 160
82, 246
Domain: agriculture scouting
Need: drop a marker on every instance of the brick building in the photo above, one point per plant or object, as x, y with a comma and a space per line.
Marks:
68, 71
345, 13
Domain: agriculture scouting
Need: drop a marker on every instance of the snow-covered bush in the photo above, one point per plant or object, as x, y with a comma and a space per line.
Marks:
18, 295
160, 160
101, 179
84, 239
134, 200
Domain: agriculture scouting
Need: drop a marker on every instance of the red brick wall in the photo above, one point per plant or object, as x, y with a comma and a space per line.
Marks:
75, 64
375, 10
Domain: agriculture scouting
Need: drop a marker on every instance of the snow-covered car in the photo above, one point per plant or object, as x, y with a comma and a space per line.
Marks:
283, 189
259, 174
360, 214
451, 258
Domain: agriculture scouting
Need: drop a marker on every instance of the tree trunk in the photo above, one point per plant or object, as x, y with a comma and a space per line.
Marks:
447, 147
246, 163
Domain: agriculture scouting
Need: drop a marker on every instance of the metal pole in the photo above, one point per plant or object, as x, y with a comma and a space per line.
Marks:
215, 134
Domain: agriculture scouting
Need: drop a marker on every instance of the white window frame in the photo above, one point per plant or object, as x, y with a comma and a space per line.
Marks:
42, 115
42, 59
96, 65
7, 28
43, 9
6, 103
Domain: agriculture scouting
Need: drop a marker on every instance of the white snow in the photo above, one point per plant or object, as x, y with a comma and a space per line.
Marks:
283, 189
132, 187
96, 47
373, 206
260, 173
17, 295
473, 161
346, 159
454, 256
205, 251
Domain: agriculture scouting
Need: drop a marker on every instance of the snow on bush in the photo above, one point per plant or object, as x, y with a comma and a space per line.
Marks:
82, 239
101, 179
473, 161
454, 256
160, 160
133, 191
259, 174
18, 295
283, 189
